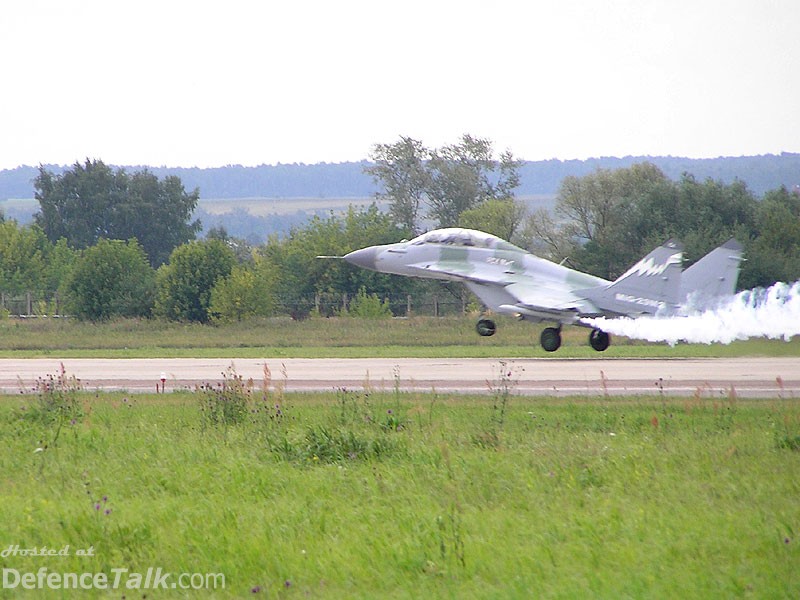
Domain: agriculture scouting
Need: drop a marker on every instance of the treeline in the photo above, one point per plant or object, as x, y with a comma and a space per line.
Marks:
348, 180
90, 248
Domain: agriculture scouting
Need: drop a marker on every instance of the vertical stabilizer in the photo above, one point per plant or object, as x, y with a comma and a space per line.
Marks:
712, 277
649, 286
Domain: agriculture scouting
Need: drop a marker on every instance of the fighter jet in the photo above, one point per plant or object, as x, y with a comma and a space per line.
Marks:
512, 281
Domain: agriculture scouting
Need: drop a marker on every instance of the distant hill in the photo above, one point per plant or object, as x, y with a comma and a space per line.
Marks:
254, 202
348, 180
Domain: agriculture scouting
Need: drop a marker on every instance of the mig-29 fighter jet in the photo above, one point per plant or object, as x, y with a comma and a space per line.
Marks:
512, 281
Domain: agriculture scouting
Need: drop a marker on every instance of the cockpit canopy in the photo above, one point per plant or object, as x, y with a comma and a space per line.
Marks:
456, 236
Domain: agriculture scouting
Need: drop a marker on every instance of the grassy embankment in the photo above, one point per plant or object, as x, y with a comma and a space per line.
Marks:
337, 337
363, 495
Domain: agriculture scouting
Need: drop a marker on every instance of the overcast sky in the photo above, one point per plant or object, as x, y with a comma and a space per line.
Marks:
200, 83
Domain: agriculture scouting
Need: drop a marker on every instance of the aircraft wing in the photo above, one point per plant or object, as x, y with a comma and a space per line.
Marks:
533, 301
551, 298
439, 271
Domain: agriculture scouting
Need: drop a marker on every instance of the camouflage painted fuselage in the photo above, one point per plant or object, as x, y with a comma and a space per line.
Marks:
506, 278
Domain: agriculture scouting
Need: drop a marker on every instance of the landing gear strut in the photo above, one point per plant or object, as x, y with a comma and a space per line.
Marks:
550, 339
486, 327
599, 340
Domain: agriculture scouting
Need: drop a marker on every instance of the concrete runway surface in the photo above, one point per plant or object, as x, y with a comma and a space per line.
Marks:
748, 377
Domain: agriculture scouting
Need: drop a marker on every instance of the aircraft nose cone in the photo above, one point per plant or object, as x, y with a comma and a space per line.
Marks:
364, 258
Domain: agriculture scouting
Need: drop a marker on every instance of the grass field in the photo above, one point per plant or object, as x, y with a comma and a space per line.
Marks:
357, 495
405, 495
420, 337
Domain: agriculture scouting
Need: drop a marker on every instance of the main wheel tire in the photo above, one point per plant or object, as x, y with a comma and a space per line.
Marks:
486, 327
599, 340
550, 339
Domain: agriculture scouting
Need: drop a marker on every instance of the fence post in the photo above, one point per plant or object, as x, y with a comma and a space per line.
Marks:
344, 302
29, 302
436, 306
408, 306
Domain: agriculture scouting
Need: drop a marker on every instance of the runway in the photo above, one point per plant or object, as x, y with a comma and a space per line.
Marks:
744, 377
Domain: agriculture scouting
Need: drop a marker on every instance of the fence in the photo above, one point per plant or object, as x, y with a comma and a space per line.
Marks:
39, 304
329, 304
30, 304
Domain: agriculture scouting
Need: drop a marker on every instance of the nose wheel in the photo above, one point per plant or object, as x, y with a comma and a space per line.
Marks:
550, 339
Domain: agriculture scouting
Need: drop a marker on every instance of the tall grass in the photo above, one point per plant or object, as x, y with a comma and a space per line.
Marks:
333, 337
356, 493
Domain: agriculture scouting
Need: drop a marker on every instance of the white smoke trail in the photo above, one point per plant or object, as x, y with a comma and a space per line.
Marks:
772, 313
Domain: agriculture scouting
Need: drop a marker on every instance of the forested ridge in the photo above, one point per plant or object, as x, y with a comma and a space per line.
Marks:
348, 180
108, 242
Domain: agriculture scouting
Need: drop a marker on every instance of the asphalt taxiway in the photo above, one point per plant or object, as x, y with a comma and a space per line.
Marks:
711, 377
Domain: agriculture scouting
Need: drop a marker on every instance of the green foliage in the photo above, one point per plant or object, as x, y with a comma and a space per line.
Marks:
184, 284
500, 217
24, 259
92, 201
111, 279
448, 180
228, 402
301, 276
369, 306
609, 219
247, 292
58, 404
401, 169
775, 254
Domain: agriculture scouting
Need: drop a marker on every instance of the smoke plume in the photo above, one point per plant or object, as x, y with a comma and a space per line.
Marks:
773, 313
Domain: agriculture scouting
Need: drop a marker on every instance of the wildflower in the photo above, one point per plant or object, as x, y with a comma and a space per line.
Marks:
255, 589
107, 511
287, 584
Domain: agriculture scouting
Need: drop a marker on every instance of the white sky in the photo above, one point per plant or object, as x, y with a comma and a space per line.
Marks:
201, 83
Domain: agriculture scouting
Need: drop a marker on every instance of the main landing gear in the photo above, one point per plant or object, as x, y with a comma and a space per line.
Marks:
486, 327
550, 339
599, 340
551, 336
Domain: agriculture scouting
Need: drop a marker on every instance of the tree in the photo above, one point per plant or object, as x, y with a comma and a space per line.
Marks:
93, 201
465, 174
607, 220
184, 284
448, 180
303, 276
774, 255
111, 279
249, 291
598, 212
24, 254
401, 168
502, 218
